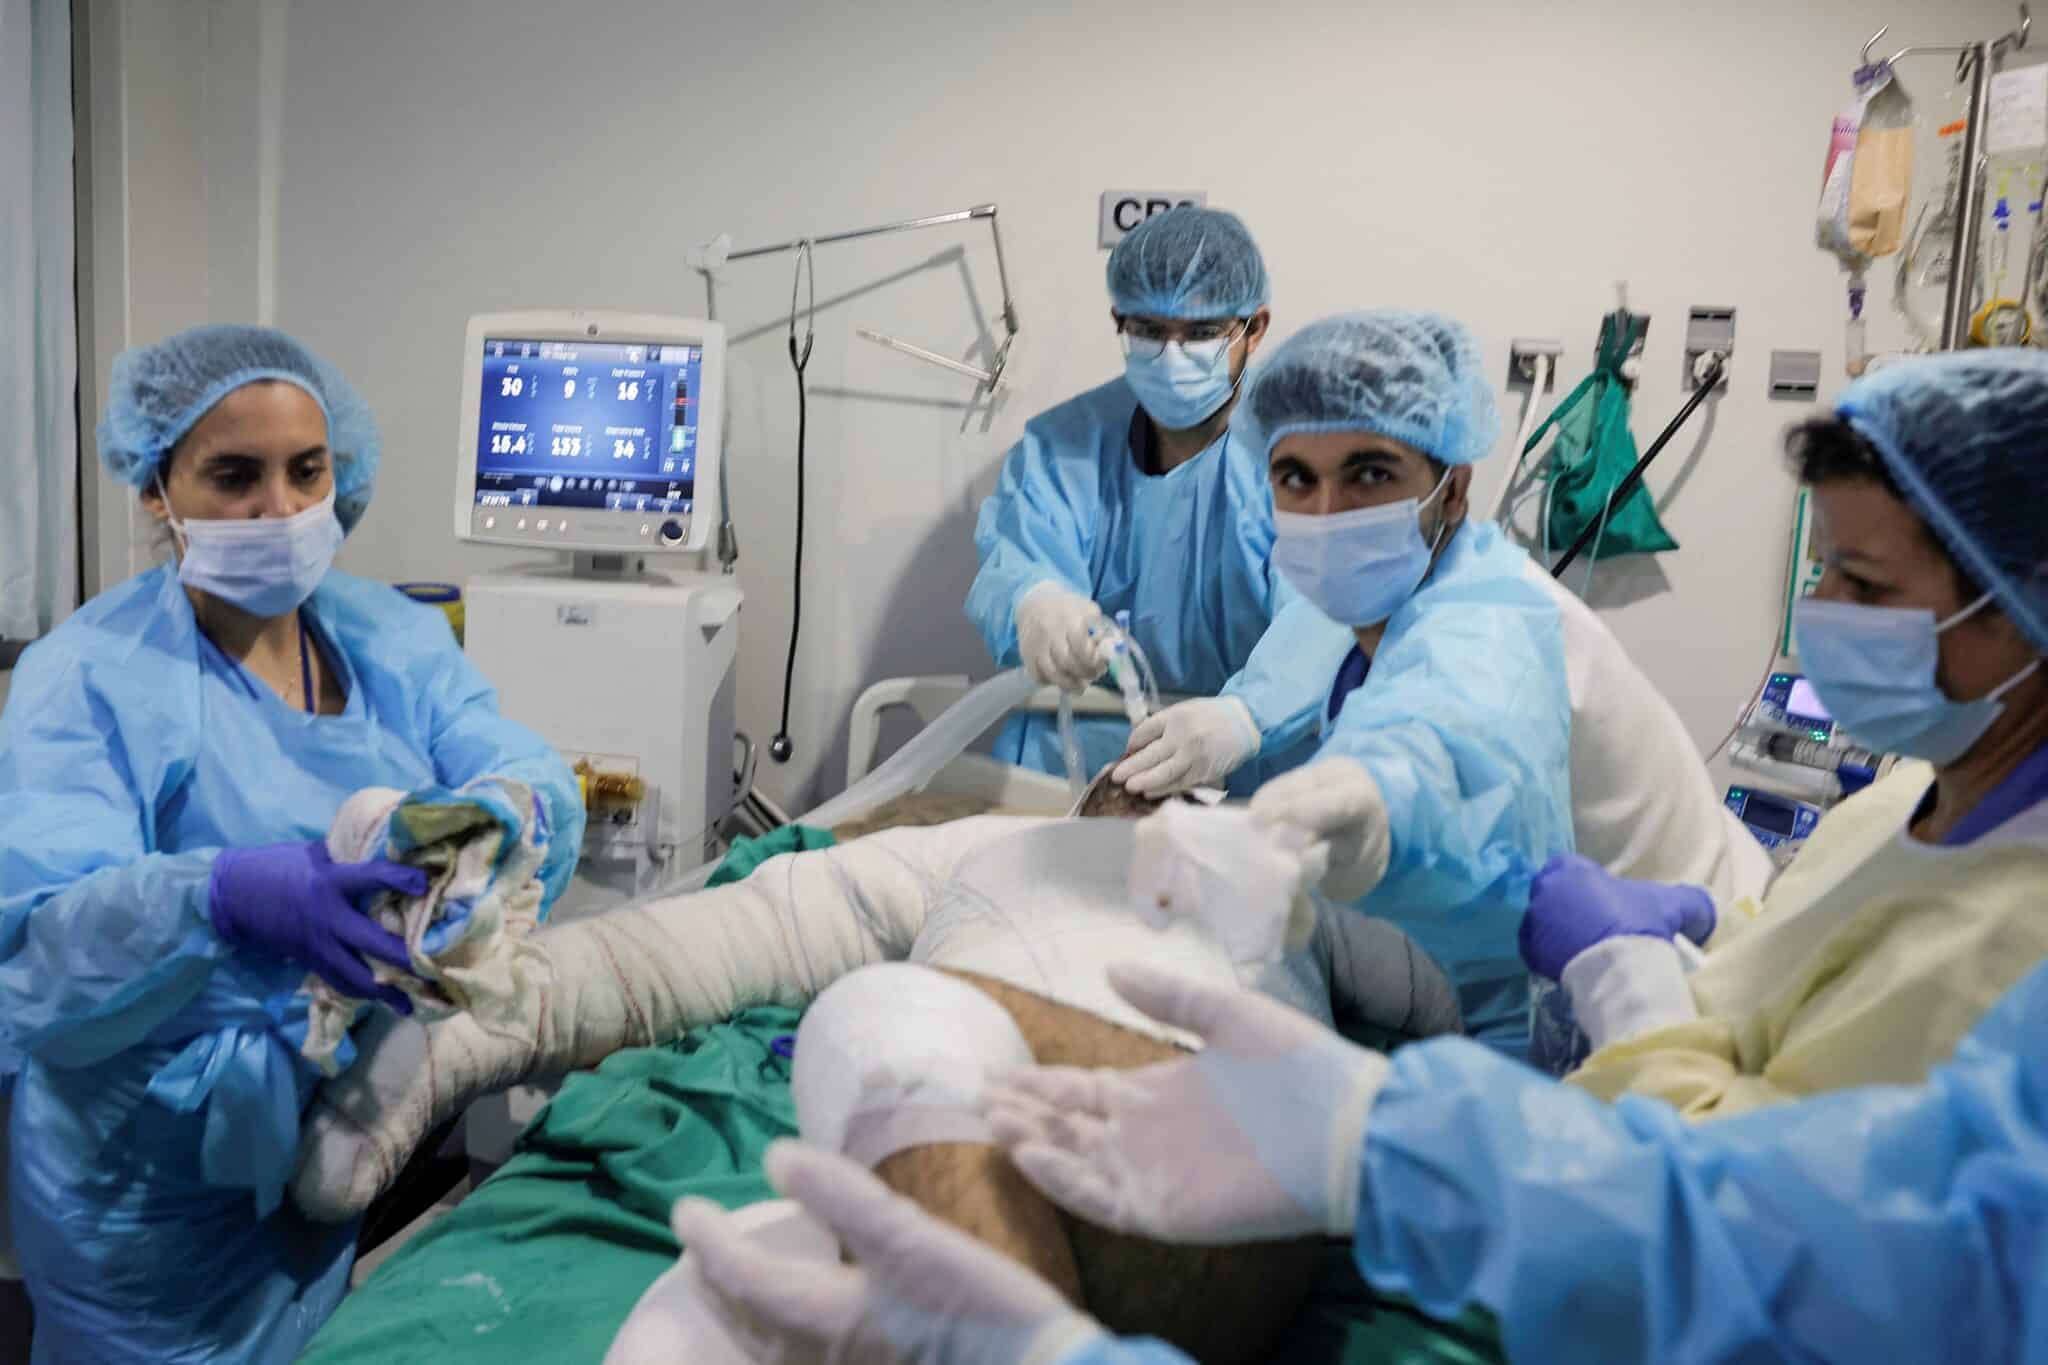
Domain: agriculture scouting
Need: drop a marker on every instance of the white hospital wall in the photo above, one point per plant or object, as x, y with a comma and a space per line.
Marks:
434, 160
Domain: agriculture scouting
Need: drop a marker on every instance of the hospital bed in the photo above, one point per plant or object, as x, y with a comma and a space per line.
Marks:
546, 1258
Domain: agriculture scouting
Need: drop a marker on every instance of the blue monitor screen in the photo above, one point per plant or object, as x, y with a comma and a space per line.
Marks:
588, 424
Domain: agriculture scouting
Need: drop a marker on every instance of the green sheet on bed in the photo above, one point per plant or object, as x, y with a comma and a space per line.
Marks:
545, 1259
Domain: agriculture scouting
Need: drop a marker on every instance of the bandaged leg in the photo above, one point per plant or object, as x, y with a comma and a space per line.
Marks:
890, 1064
1220, 1305
636, 976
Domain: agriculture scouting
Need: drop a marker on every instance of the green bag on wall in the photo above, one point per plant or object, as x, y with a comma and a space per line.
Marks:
1595, 450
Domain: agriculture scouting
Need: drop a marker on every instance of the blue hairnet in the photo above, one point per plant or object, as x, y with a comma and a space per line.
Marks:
159, 392
1188, 262
1965, 436
1416, 377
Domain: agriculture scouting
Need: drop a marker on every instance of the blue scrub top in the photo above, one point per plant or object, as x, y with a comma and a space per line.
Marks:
1186, 553
156, 1115
1463, 717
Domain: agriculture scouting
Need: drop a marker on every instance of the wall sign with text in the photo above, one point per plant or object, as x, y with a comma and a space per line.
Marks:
1123, 210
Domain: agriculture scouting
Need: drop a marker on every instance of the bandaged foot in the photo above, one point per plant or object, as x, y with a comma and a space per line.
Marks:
639, 975
481, 849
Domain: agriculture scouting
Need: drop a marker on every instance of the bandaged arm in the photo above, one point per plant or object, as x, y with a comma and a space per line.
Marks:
640, 975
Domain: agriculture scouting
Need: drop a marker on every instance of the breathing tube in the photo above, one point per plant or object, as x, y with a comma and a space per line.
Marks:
1132, 673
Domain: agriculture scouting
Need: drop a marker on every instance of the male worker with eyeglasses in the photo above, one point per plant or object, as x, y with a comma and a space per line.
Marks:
1132, 500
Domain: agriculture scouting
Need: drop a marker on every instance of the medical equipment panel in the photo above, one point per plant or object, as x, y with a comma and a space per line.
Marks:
590, 431
633, 682
1779, 823
1790, 704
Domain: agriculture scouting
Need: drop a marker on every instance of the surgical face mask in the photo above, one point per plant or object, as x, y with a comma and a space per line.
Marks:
266, 566
1874, 669
1357, 567
1183, 385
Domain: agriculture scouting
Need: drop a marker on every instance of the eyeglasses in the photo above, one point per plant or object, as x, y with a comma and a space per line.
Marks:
1144, 339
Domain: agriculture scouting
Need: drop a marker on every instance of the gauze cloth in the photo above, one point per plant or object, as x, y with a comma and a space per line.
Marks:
482, 851
1239, 882
896, 1056
1046, 909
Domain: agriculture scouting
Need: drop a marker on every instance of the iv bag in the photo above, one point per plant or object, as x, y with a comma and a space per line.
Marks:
1920, 290
1881, 179
1867, 182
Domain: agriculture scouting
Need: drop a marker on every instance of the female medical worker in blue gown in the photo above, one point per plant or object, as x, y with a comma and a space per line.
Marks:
1134, 498
170, 759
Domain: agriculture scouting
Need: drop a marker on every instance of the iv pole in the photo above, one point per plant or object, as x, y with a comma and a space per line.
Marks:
706, 260
1979, 60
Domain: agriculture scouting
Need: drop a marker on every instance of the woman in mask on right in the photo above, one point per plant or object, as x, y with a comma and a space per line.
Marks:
1916, 903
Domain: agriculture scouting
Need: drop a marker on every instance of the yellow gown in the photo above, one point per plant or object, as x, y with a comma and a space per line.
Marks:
1866, 963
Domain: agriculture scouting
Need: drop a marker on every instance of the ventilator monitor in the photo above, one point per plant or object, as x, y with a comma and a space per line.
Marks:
592, 432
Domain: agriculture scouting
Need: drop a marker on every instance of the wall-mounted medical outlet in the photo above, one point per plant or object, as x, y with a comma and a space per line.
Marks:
1522, 356
1795, 375
1707, 328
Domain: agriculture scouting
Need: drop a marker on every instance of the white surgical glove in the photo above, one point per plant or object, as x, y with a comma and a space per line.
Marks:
1258, 1137
918, 1291
1060, 635
1195, 743
1336, 807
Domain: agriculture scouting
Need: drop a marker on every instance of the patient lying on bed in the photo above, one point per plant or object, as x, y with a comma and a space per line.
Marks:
995, 931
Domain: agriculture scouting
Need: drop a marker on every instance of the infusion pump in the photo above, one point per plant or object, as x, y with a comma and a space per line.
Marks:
1800, 762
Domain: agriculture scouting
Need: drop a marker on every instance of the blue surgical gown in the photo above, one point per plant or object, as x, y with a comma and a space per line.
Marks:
1187, 553
1464, 721
159, 1093
1886, 1223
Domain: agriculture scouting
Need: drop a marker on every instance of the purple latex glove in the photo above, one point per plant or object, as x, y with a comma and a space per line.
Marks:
1575, 903
297, 902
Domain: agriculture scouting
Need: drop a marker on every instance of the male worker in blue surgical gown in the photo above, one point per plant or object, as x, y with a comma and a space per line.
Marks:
1484, 719
1133, 498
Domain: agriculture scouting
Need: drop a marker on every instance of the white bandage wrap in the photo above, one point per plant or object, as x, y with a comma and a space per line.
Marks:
1626, 986
895, 1056
1234, 877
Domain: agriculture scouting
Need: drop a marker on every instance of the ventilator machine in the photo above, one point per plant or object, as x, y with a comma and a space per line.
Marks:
593, 441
